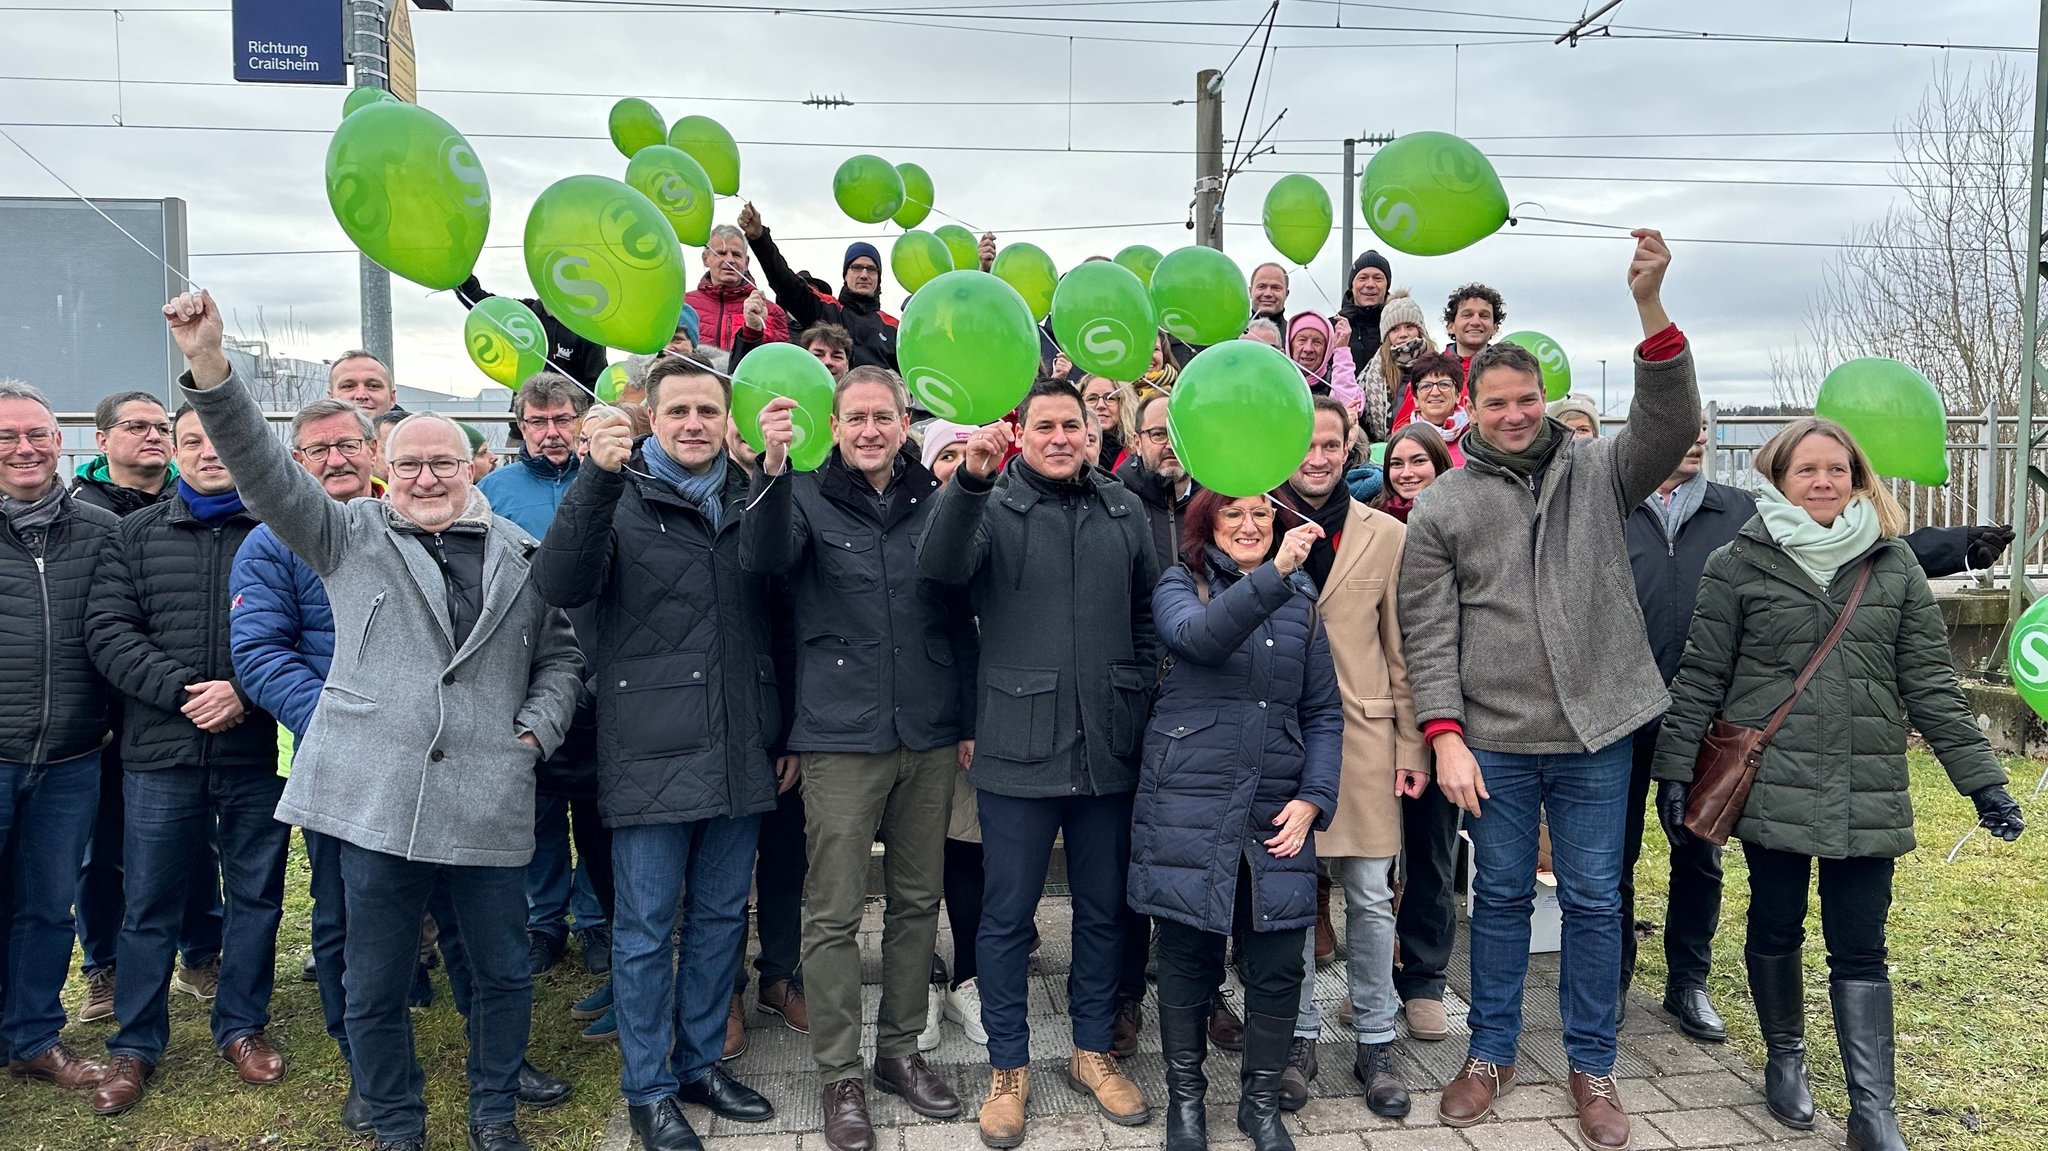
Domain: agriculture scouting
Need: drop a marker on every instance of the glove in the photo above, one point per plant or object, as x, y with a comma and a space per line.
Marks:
1671, 810
1985, 545
1997, 812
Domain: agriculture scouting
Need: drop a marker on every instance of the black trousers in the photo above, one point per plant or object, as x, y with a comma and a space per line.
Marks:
593, 851
1268, 962
1855, 901
779, 869
964, 878
1427, 923
1694, 909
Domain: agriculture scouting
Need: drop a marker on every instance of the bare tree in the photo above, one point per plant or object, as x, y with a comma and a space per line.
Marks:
1938, 282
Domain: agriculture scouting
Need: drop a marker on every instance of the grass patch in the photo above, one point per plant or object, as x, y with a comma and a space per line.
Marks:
1969, 960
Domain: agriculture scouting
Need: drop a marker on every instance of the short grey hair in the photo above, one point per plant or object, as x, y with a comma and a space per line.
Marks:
454, 429
325, 409
871, 374
725, 231
550, 389
717, 359
1262, 324
20, 390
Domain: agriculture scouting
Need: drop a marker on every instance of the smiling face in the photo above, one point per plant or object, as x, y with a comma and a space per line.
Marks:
1473, 325
1103, 398
429, 499
363, 382
1244, 531
1819, 478
1269, 290
1436, 397
1323, 468
324, 449
1054, 437
868, 426
198, 464
832, 357
1409, 469
1308, 346
29, 468
690, 420
1368, 287
1508, 407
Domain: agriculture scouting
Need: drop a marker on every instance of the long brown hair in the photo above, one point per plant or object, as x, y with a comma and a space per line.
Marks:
1425, 434
1198, 527
1774, 459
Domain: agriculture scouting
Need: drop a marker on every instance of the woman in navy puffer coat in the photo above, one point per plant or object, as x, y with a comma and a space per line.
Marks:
1241, 762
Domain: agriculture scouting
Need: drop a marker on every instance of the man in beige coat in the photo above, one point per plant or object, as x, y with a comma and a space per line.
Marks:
1356, 568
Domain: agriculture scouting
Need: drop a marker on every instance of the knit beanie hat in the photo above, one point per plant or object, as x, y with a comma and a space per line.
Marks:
687, 322
938, 434
1400, 309
855, 251
475, 438
1583, 405
1370, 258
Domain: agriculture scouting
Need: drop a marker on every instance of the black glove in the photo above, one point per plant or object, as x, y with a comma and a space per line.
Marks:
1997, 812
1671, 810
1985, 545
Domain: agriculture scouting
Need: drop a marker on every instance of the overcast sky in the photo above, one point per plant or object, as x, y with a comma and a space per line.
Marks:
983, 103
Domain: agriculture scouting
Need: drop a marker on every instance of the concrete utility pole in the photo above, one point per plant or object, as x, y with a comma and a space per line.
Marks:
368, 28
1351, 144
1208, 219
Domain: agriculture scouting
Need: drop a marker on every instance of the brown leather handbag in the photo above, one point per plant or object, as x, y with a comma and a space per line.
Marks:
1729, 754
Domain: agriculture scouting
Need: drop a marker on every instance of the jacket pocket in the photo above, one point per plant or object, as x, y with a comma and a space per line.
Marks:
1176, 743
661, 705
1128, 704
771, 702
848, 559
369, 618
1019, 717
836, 688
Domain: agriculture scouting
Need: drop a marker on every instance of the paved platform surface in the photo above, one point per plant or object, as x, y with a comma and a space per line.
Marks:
1679, 1093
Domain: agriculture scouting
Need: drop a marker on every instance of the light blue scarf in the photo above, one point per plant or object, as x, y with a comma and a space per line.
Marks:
707, 491
1819, 551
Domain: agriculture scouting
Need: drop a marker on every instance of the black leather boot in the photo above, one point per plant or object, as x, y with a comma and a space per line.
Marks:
1184, 1044
661, 1127
1267, 1039
1775, 985
1863, 1024
1385, 1094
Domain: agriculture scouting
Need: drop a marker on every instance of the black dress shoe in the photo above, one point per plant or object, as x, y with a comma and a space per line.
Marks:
1696, 1015
496, 1137
415, 1143
661, 1127
727, 1097
355, 1114
537, 1088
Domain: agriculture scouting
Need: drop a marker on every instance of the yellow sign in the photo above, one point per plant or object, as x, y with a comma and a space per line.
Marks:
401, 66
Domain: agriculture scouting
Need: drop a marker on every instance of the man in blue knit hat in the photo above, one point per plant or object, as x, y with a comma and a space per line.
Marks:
857, 307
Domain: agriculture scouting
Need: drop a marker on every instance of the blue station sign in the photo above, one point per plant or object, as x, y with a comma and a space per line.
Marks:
290, 41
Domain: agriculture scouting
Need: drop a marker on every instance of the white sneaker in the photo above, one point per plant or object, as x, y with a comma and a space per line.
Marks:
963, 1006
935, 1013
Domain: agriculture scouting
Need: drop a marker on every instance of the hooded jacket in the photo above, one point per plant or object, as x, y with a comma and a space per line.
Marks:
873, 330
95, 485
722, 314
1335, 376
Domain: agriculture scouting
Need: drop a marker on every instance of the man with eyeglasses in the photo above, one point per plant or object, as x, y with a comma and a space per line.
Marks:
450, 680
134, 468
857, 307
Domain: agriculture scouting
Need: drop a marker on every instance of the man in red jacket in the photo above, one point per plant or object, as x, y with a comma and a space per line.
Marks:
721, 297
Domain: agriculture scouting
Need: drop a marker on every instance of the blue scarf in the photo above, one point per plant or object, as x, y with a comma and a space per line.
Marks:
211, 510
706, 491
1685, 500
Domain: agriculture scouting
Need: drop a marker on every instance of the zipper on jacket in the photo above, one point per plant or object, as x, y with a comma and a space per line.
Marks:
49, 660
217, 629
363, 648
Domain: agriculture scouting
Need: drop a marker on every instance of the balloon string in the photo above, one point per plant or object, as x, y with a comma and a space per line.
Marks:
1571, 223
186, 280
955, 219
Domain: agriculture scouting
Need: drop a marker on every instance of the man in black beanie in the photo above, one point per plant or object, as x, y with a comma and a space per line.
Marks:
1364, 296
857, 307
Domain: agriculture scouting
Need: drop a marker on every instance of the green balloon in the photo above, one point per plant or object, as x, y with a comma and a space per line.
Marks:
1201, 296
1894, 413
1240, 417
867, 188
1297, 216
363, 98
606, 263
961, 242
1103, 319
1140, 259
1557, 367
917, 195
611, 383
2027, 657
678, 185
707, 141
1378, 453
1028, 269
1432, 193
783, 369
409, 191
968, 347
918, 258
505, 340
635, 125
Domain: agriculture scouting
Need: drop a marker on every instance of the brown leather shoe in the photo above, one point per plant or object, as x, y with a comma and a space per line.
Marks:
1602, 1122
919, 1086
785, 997
735, 1032
1130, 1020
256, 1061
1226, 1029
1121, 1101
60, 1066
122, 1086
1002, 1113
1326, 931
1468, 1099
847, 1127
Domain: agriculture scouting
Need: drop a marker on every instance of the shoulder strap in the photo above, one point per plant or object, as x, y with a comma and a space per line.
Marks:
1820, 654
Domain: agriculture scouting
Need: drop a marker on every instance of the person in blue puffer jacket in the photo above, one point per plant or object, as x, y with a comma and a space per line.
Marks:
1241, 762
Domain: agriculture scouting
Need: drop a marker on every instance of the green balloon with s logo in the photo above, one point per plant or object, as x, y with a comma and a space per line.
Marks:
2027, 656
1103, 319
505, 340
1201, 296
606, 263
634, 124
1557, 367
678, 185
409, 191
1432, 193
1141, 259
961, 243
783, 369
1240, 417
917, 195
968, 347
868, 188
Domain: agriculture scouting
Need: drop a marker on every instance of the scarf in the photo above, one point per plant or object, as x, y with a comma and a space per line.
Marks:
475, 517
1819, 551
29, 520
705, 492
1685, 500
1525, 463
1331, 517
212, 510
1397, 507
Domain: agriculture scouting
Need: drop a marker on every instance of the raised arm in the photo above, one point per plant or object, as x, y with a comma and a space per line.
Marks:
791, 291
1210, 633
1664, 416
955, 542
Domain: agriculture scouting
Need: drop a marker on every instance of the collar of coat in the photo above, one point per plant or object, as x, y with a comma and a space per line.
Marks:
910, 483
1019, 494
1754, 546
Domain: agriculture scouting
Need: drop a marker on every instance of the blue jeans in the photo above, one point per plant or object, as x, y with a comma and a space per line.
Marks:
100, 904
330, 922
672, 1015
1016, 838
386, 897
46, 813
555, 890
172, 813
1585, 797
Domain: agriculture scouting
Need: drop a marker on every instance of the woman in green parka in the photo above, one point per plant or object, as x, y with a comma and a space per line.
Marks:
1833, 785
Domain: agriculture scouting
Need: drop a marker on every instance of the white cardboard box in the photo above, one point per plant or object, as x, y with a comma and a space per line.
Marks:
1546, 921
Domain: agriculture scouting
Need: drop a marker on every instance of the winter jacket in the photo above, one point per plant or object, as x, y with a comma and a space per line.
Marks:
157, 622
1834, 782
54, 706
679, 646
528, 490
722, 313
1365, 329
873, 330
1248, 719
567, 351
414, 749
1061, 577
1667, 572
1337, 375
95, 485
1519, 616
1162, 511
280, 630
884, 656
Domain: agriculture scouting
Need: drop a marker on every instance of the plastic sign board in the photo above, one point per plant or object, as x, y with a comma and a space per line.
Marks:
290, 42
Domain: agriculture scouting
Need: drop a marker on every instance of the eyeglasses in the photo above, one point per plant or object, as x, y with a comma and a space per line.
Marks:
1100, 398
1155, 435
141, 428
563, 422
1260, 516
1434, 386
870, 269
443, 467
349, 450
38, 438
883, 420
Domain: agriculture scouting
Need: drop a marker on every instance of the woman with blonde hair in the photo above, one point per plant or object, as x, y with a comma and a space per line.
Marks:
1404, 338
1116, 406
1832, 791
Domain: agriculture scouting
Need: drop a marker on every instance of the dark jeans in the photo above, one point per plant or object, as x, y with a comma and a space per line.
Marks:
100, 904
1018, 836
555, 888
46, 814
1130, 981
593, 861
172, 814
964, 881
1855, 901
330, 923
1269, 962
386, 897
781, 862
1693, 911
1426, 924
